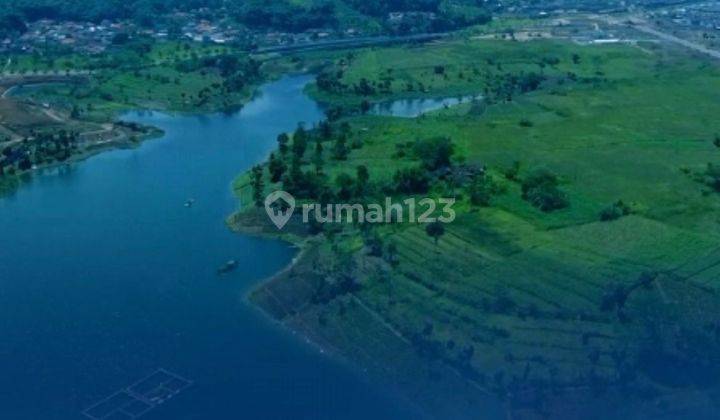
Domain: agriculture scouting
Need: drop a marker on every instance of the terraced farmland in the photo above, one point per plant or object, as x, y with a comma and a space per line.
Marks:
550, 312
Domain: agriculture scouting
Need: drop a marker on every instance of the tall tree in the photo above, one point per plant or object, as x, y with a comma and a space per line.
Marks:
362, 177
435, 230
345, 184
318, 158
340, 150
326, 130
277, 168
258, 185
283, 140
435, 152
299, 142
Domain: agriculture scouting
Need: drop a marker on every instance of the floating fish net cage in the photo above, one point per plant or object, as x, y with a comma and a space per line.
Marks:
139, 398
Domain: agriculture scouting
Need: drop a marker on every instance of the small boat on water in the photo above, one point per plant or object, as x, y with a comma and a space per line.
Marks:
228, 267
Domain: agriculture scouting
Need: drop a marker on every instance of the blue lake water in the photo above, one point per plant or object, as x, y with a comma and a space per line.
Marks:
411, 108
105, 277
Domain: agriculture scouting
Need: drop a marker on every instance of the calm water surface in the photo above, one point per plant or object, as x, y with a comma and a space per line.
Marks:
411, 108
106, 276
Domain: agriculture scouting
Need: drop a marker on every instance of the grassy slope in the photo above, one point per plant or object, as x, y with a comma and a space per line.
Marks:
150, 80
626, 137
467, 64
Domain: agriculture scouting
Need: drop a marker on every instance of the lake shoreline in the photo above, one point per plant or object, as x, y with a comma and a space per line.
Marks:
10, 183
283, 296
128, 252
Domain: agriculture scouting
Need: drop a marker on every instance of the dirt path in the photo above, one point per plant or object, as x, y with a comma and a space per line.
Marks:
644, 27
53, 115
676, 40
381, 320
5, 92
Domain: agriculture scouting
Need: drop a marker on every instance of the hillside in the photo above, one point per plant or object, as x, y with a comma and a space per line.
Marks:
607, 302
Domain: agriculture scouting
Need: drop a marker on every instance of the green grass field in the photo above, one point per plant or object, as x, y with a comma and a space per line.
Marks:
124, 78
524, 289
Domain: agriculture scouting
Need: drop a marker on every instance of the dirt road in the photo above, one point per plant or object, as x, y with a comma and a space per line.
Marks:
644, 27
671, 38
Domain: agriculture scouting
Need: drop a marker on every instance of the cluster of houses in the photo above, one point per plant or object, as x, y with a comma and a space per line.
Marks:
95, 38
545, 8
86, 37
207, 31
228, 33
702, 16
399, 17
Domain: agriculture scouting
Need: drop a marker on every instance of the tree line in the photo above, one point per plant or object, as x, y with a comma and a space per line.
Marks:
284, 15
43, 148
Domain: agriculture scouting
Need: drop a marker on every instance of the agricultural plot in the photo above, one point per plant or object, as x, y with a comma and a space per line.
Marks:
515, 300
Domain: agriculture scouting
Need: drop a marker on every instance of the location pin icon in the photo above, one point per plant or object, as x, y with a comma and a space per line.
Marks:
280, 206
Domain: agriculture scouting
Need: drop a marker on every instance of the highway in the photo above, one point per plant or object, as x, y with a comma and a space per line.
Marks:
642, 26
676, 40
350, 43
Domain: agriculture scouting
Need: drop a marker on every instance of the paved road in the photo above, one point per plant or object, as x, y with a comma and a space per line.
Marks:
350, 43
47, 73
9, 81
642, 26
676, 40
6, 92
